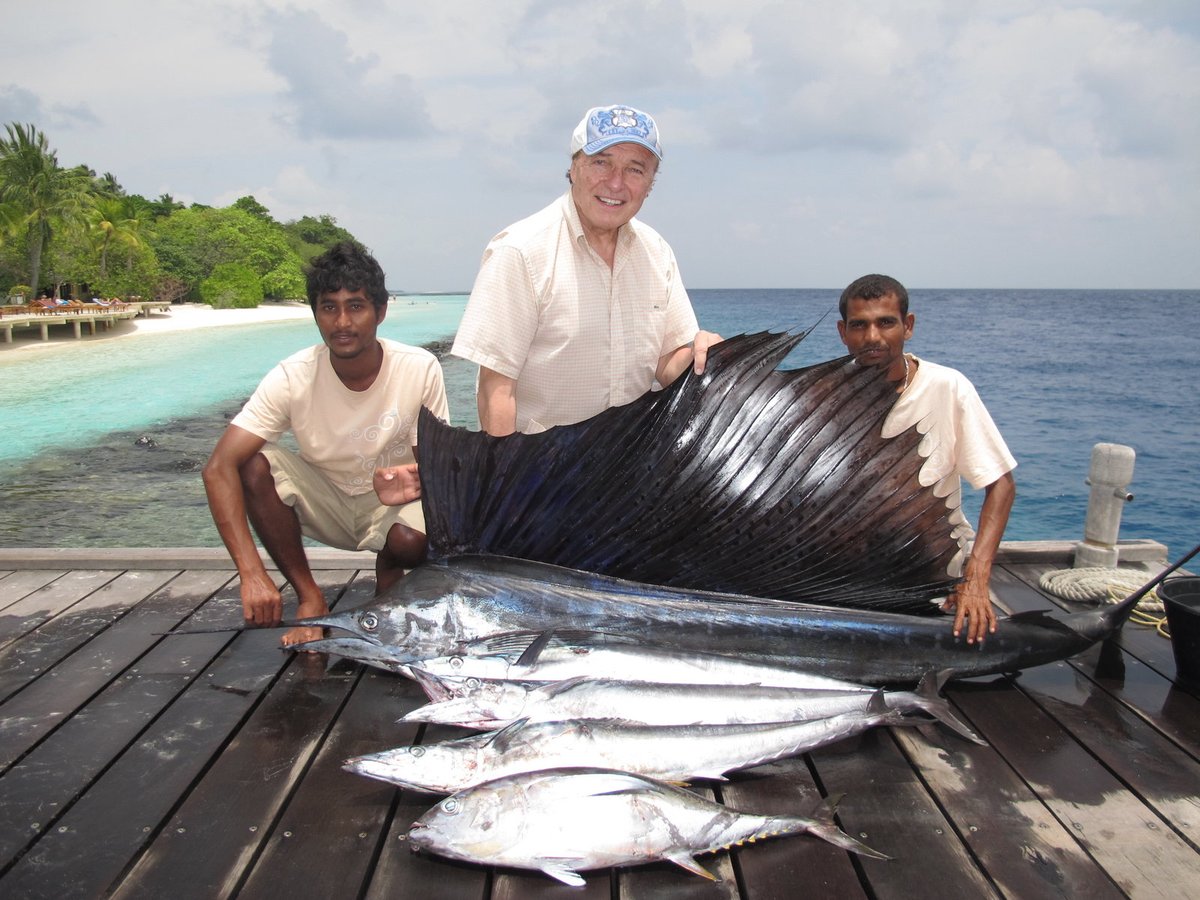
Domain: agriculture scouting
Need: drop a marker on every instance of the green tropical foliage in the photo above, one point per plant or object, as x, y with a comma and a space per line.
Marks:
36, 193
71, 230
232, 285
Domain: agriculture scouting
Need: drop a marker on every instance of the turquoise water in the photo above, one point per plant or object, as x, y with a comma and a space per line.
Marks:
104, 440
73, 393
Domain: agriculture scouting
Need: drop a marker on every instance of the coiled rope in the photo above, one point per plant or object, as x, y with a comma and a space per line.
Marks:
1100, 584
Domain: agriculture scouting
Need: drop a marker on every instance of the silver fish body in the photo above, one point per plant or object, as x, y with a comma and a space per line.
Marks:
582, 657
616, 819
490, 704
668, 753
451, 608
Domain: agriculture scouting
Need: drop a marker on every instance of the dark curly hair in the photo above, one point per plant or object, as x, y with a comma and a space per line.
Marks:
873, 287
345, 266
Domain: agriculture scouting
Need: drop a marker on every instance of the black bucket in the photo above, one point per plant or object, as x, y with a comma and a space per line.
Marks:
1181, 597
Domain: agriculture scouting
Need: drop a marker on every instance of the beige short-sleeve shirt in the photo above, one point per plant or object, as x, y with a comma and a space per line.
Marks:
348, 434
577, 336
959, 440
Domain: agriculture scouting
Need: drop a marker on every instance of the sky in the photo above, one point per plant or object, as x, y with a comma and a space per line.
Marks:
950, 143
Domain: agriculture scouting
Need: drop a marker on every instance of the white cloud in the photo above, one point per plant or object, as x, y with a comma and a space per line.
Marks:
804, 140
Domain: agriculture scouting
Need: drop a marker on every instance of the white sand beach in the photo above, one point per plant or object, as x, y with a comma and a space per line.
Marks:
180, 317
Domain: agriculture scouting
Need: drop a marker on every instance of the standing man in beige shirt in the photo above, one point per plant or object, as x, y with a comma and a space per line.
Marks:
581, 307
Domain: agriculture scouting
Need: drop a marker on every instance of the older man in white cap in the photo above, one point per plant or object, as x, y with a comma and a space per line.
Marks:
580, 306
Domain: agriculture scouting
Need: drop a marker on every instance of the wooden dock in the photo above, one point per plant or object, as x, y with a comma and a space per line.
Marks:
14, 317
209, 765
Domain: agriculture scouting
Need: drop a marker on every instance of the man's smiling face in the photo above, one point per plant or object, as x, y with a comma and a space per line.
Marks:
609, 187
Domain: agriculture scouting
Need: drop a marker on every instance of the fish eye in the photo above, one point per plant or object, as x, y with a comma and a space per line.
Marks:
450, 805
473, 682
456, 662
417, 752
369, 621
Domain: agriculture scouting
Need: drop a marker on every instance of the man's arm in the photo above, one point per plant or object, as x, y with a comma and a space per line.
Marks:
672, 364
972, 600
496, 399
261, 602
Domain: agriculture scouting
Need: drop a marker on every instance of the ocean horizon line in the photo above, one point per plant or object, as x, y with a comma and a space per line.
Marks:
1106, 290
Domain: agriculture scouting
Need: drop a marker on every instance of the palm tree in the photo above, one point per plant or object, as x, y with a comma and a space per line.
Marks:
111, 221
36, 192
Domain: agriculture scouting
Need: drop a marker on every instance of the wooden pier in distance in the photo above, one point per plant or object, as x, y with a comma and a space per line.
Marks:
209, 765
12, 317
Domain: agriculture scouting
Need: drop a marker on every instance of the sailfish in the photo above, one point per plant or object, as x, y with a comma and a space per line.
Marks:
744, 480
747, 512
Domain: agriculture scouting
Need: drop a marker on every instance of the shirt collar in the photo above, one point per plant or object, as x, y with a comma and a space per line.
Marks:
575, 227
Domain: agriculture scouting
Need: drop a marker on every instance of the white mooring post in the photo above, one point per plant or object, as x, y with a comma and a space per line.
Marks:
1109, 477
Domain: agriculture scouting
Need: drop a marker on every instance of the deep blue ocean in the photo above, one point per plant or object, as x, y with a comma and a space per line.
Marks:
103, 441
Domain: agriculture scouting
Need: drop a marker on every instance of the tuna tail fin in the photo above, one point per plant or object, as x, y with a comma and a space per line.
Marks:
931, 701
819, 822
1116, 616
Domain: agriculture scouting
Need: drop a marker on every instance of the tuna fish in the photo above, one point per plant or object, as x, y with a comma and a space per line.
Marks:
616, 819
669, 753
489, 704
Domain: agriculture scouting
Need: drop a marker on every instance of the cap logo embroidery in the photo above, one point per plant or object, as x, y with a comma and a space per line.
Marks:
620, 121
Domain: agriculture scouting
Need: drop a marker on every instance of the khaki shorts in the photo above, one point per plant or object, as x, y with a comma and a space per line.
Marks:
330, 515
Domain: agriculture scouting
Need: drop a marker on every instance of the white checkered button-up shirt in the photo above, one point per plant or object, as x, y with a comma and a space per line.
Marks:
576, 336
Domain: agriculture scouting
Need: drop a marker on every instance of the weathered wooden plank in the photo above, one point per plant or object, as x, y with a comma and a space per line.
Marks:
508, 884
335, 814
64, 558
887, 807
43, 604
400, 873
778, 867
1169, 707
1131, 843
42, 706
1019, 843
1162, 774
27, 657
46, 781
204, 850
94, 842
18, 584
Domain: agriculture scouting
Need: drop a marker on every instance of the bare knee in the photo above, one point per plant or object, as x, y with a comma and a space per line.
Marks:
405, 548
256, 476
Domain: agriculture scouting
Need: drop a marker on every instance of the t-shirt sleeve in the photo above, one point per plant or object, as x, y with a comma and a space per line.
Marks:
267, 413
501, 318
983, 456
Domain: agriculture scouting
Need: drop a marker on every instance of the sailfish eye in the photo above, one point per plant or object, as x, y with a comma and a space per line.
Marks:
369, 621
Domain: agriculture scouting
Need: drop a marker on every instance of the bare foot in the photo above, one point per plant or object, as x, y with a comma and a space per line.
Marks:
300, 634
